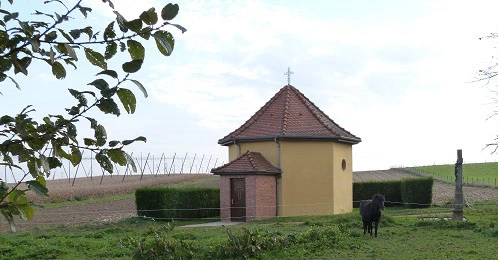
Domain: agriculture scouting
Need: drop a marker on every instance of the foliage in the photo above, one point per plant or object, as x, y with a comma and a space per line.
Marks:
278, 238
36, 147
365, 191
417, 193
157, 244
168, 203
411, 192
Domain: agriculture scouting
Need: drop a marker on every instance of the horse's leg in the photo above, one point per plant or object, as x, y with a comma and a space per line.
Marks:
370, 228
376, 226
364, 227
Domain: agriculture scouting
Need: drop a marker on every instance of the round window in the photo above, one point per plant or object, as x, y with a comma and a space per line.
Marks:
343, 164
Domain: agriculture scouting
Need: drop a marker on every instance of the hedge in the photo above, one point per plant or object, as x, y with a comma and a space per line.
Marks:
365, 191
417, 193
177, 203
412, 192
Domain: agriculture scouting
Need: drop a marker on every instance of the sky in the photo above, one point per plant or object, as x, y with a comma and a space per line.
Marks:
401, 75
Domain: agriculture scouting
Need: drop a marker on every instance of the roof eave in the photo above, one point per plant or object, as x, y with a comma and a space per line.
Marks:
246, 173
228, 141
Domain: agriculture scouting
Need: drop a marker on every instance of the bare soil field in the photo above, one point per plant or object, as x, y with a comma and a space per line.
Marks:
98, 212
83, 188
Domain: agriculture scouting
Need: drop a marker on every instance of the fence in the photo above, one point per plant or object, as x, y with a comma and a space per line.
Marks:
145, 163
445, 173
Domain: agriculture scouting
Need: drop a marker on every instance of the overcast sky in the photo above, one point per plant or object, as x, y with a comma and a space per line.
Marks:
397, 74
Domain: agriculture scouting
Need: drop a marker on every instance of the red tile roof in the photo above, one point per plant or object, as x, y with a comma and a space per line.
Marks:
289, 115
248, 163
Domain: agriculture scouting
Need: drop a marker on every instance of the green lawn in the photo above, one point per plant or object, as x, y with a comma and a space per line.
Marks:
403, 234
473, 173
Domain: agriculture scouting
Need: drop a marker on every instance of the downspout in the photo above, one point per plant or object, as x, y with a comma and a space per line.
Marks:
238, 149
277, 178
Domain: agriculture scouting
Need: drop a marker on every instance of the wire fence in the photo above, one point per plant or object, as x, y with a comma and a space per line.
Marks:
80, 216
149, 164
445, 173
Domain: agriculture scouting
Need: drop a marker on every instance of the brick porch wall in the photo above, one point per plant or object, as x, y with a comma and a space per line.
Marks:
260, 196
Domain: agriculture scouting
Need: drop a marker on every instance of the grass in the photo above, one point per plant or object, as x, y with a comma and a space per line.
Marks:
473, 173
403, 234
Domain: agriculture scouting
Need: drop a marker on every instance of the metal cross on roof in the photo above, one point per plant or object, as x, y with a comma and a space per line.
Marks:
288, 73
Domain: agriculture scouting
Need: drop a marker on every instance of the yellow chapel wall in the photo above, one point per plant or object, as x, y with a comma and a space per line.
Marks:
343, 179
311, 174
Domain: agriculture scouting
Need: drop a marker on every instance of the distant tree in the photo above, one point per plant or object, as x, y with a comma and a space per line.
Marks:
37, 146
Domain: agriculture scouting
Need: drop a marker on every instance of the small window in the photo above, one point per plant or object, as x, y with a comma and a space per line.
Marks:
343, 164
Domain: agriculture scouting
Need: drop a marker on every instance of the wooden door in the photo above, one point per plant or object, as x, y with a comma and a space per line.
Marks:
238, 199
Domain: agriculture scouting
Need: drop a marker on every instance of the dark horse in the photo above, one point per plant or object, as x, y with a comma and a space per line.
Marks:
370, 211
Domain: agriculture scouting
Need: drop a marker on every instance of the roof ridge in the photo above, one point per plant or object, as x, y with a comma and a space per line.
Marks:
286, 110
251, 160
308, 103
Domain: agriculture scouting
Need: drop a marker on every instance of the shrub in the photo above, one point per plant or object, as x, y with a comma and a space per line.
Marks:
417, 192
177, 203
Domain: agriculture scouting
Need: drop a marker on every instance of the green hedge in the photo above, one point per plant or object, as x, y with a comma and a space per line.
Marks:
412, 192
417, 193
365, 191
177, 203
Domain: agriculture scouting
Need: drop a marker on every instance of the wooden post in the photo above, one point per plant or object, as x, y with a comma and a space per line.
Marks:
458, 204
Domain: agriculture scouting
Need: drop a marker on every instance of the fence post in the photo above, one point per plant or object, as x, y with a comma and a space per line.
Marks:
458, 204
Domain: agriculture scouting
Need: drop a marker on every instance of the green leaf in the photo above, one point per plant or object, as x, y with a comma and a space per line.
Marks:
75, 156
121, 22
44, 164
131, 162
122, 46
127, 99
132, 66
6, 119
58, 70
17, 196
181, 28
110, 50
100, 135
104, 162
110, 73
21, 65
89, 141
140, 86
49, 37
169, 11
136, 50
67, 36
93, 122
54, 162
113, 143
117, 156
108, 106
79, 96
134, 25
85, 10
149, 17
100, 84
70, 51
95, 58
37, 187
109, 31
26, 211
140, 138
164, 41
